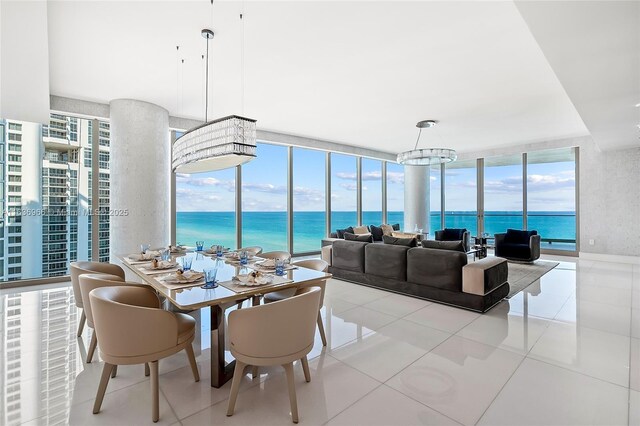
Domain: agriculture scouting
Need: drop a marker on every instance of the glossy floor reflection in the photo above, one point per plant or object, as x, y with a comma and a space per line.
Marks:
564, 351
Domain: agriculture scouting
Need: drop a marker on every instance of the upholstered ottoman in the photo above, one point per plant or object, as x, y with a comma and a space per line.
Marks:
484, 276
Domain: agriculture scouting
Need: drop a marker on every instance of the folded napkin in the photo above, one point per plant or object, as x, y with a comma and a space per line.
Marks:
148, 255
164, 264
268, 263
185, 277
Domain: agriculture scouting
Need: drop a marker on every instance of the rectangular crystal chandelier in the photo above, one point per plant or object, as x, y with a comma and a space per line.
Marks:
218, 144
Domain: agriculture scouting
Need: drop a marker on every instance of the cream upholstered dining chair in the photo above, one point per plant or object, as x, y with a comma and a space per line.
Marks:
275, 334
88, 282
315, 264
253, 250
275, 255
132, 329
87, 267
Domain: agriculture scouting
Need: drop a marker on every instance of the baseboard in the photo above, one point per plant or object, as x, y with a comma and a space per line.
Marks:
616, 258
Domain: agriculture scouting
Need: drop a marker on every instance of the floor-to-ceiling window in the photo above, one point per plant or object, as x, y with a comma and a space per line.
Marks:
435, 186
206, 208
47, 195
264, 199
503, 193
371, 192
309, 214
395, 193
551, 197
344, 191
461, 186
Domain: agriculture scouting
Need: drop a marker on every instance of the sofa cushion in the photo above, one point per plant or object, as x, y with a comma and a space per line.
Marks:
520, 251
436, 268
516, 236
386, 229
443, 245
360, 230
365, 238
383, 260
453, 234
407, 242
340, 232
348, 255
376, 232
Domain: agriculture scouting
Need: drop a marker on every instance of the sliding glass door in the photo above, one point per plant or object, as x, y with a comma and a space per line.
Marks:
503, 193
461, 192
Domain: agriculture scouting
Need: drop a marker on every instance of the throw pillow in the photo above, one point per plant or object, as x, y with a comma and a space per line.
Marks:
396, 227
363, 238
386, 229
360, 230
341, 232
407, 242
443, 245
453, 234
376, 232
515, 236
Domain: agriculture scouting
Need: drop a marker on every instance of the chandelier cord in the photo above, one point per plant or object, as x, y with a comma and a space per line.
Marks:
418, 140
206, 90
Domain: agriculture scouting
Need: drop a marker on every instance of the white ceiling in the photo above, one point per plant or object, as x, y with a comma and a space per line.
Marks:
361, 73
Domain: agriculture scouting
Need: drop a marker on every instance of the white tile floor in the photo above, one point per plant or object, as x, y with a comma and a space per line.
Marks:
565, 351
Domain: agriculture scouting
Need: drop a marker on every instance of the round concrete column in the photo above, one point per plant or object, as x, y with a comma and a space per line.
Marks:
140, 167
416, 198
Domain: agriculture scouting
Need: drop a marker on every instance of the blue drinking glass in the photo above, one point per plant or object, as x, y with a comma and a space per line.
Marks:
280, 267
244, 257
186, 263
199, 245
210, 278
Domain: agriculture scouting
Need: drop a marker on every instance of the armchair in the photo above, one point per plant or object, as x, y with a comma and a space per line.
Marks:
522, 246
455, 234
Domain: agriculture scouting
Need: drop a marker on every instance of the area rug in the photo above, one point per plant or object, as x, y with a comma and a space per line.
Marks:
522, 275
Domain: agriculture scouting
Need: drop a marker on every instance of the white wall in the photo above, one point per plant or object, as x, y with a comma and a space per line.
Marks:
610, 201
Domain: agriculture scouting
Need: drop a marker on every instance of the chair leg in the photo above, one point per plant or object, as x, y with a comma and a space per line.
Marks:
288, 368
321, 329
147, 372
254, 372
235, 386
114, 371
155, 393
83, 319
305, 368
192, 361
239, 306
102, 387
92, 347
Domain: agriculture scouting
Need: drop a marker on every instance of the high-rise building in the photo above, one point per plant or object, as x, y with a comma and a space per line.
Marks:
46, 183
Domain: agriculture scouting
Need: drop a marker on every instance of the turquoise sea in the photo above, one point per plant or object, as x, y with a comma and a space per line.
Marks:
269, 229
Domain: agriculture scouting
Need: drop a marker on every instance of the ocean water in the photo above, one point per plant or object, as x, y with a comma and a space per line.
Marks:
269, 229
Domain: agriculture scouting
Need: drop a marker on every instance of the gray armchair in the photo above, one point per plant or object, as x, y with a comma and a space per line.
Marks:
523, 246
455, 234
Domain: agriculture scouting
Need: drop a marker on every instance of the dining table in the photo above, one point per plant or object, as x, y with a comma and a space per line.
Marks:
228, 293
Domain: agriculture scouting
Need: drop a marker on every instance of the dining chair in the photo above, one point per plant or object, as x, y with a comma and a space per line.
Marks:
151, 334
88, 282
285, 255
253, 250
317, 265
278, 333
88, 267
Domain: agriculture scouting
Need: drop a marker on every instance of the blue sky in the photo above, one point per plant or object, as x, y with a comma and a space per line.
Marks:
551, 186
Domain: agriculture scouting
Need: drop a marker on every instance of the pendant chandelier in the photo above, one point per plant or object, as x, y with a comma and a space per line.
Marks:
218, 144
426, 156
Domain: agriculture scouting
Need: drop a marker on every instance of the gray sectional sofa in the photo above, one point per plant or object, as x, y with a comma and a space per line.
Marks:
439, 275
